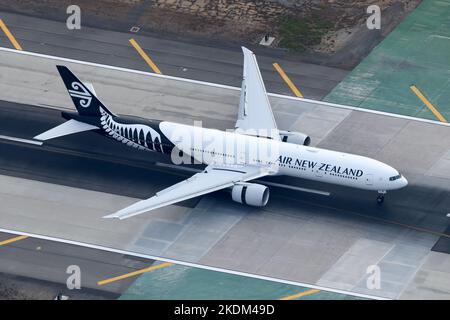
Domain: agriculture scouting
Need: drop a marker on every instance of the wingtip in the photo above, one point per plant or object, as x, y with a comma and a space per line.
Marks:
111, 216
121, 215
244, 49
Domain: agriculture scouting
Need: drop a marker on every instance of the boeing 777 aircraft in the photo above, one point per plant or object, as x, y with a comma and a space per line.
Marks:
254, 149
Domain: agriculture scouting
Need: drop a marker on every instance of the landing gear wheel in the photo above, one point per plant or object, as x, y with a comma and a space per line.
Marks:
380, 199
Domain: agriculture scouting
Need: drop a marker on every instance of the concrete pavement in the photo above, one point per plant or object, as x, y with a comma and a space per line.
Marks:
300, 237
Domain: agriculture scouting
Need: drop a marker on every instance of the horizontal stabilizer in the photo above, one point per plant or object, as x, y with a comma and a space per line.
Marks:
69, 127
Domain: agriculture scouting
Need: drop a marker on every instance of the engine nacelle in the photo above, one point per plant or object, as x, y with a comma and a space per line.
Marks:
251, 194
295, 137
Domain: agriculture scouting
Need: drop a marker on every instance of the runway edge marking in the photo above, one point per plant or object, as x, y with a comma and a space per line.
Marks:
328, 104
190, 264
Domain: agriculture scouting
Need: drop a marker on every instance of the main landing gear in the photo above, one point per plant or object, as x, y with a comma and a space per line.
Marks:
380, 198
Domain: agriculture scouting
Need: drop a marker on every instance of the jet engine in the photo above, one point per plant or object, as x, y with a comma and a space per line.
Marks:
295, 137
251, 194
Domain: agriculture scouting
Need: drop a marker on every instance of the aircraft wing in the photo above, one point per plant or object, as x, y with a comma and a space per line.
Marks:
213, 178
255, 112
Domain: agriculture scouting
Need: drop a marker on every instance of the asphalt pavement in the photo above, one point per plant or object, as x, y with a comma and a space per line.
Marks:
182, 59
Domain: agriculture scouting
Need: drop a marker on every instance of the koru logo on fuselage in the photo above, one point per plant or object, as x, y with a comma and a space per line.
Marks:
80, 92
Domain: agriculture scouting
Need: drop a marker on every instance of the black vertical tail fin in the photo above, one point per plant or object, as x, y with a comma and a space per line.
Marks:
84, 100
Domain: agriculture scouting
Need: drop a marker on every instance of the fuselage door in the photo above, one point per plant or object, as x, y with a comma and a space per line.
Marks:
318, 173
369, 179
240, 157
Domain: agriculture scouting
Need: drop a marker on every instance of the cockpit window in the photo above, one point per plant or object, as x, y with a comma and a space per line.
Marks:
395, 177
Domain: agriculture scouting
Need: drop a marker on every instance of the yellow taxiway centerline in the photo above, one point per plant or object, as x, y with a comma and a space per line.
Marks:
301, 294
287, 80
134, 273
145, 56
427, 103
2, 243
10, 36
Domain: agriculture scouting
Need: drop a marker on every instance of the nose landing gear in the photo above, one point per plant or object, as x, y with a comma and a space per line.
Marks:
380, 198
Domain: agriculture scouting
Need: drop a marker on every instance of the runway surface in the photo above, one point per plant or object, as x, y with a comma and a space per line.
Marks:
206, 63
328, 241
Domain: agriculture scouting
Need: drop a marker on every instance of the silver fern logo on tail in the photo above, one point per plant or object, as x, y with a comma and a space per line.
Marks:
80, 92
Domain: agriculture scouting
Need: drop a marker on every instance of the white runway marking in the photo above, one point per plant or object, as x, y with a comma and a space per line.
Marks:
318, 102
38, 143
189, 264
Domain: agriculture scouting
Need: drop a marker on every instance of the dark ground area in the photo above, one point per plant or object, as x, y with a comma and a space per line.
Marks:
24, 288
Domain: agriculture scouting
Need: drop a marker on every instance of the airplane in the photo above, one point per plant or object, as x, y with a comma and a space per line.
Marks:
255, 148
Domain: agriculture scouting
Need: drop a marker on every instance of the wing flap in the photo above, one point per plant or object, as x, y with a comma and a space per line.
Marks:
210, 180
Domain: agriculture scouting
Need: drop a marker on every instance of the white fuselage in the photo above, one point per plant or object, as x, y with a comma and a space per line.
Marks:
210, 146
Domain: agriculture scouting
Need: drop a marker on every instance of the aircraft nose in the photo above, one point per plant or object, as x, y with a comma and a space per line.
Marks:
403, 182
